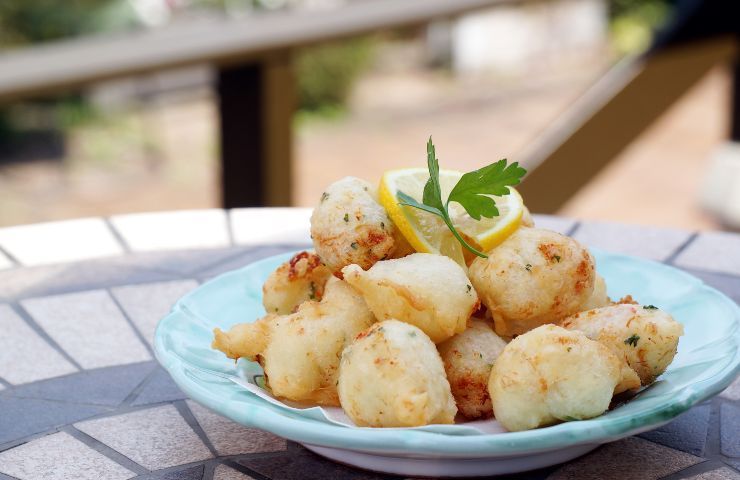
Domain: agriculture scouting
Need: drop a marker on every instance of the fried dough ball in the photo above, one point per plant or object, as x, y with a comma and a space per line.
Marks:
392, 376
645, 337
534, 277
551, 374
468, 358
426, 290
349, 226
299, 279
300, 352
598, 297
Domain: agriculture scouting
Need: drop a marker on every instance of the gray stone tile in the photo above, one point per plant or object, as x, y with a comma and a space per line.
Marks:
22, 417
688, 432
732, 392
192, 473
730, 430
21, 348
174, 230
148, 303
627, 459
54, 242
734, 462
73, 277
155, 438
713, 251
308, 466
223, 472
160, 388
642, 241
723, 473
254, 254
551, 222
60, 457
104, 386
89, 327
230, 438
266, 226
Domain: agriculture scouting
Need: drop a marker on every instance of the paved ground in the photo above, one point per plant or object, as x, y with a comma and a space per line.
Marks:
90, 402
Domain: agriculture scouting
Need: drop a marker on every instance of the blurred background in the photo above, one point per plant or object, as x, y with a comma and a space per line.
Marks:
487, 79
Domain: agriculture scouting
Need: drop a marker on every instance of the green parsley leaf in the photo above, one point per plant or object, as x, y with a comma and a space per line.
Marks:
472, 189
470, 192
650, 307
632, 340
346, 217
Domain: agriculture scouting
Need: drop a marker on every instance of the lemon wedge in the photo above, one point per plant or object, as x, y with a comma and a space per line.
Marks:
428, 233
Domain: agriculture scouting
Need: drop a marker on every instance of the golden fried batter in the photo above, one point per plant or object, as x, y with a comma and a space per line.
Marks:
534, 277
392, 376
468, 358
551, 374
300, 352
299, 279
644, 336
423, 289
349, 226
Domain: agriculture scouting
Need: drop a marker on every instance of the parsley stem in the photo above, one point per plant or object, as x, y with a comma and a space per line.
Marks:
448, 221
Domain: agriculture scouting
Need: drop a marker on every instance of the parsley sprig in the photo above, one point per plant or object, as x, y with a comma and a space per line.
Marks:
471, 192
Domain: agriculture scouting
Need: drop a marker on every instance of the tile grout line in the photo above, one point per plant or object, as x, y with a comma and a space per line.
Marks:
693, 470
209, 470
5, 476
189, 417
572, 230
131, 323
11, 257
134, 394
105, 450
245, 470
670, 259
20, 311
229, 227
117, 235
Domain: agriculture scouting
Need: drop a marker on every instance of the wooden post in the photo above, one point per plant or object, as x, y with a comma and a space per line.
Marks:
256, 113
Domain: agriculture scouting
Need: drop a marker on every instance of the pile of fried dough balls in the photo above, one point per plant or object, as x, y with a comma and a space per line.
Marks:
402, 339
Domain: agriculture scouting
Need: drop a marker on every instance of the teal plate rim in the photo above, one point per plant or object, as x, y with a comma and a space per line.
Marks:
719, 358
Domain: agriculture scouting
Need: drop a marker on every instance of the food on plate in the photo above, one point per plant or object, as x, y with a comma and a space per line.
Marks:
551, 374
300, 352
644, 336
349, 226
392, 376
598, 297
299, 279
468, 358
453, 259
533, 278
423, 289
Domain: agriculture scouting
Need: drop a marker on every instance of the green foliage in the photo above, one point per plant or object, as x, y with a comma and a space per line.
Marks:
24, 22
633, 23
326, 73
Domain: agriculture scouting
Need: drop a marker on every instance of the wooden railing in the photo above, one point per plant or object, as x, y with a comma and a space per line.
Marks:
255, 85
256, 88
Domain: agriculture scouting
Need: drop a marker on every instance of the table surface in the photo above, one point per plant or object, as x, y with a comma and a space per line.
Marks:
81, 396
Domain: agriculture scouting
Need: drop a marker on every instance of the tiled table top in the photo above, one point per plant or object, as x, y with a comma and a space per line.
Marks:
81, 396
